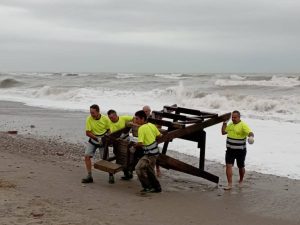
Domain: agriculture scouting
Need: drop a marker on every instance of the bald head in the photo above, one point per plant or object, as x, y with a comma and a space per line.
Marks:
147, 110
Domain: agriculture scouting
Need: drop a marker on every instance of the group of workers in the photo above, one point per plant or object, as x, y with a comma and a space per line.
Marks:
97, 125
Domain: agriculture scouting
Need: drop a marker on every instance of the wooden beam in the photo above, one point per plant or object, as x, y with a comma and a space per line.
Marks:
165, 123
193, 128
174, 116
188, 111
168, 162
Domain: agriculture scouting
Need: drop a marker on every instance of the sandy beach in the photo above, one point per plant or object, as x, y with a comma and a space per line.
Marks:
41, 168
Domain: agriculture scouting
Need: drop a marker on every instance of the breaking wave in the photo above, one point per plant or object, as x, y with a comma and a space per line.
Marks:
286, 107
201, 92
9, 82
171, 76
125, 76
275, 81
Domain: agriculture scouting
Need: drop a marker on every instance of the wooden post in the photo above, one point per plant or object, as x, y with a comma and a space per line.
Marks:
105, 142
201, 145
165, 148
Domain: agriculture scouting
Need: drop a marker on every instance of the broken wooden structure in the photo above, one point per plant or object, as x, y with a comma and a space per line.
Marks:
174, 122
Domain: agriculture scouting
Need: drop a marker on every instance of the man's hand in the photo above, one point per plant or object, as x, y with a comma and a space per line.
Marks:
250, 140
138, 145
223, 130
251, 134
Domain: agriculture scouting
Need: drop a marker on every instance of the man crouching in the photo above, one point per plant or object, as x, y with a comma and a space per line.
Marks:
147, 134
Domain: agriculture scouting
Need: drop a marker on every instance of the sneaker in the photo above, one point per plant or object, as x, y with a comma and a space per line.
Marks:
155, 190
145, 190
128, 176
88, 179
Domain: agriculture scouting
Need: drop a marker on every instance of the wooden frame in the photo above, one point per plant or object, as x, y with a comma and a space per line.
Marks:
187, 124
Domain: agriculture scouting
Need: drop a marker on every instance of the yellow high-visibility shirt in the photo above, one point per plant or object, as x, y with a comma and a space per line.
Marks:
238, 131
120, 124
147, 134
97, 127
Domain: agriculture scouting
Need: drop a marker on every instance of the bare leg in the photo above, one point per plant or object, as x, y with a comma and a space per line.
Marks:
88, 164
158, 173
229, 176
242, 174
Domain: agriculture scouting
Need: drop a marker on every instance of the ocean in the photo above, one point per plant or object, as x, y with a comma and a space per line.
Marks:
269, 103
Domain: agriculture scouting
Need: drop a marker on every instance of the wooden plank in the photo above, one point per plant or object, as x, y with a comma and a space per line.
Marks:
168, 124
174, 116
188, 111
107, 166
170, 163
193, 128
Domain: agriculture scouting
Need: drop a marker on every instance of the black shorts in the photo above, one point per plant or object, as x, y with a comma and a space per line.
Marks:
236, 154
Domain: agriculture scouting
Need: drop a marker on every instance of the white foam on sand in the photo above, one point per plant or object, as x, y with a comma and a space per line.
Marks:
275, 150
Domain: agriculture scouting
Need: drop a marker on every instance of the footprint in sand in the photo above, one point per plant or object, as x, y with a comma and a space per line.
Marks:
6, 184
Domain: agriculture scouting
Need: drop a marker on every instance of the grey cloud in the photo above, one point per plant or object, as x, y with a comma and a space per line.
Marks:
214, 32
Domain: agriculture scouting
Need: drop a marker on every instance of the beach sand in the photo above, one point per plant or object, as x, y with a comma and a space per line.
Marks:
41, 168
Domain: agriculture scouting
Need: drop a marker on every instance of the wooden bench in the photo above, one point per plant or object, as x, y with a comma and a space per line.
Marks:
107, 166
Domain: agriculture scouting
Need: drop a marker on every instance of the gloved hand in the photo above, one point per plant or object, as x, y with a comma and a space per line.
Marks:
250, 140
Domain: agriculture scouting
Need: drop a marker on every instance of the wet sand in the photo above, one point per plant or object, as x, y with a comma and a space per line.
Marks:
41, 169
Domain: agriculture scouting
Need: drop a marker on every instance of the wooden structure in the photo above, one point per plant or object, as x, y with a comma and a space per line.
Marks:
174, 122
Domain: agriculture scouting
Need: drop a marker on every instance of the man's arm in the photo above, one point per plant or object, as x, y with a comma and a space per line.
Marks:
158, 137
248, 130
91, 135
223, 130
138, 145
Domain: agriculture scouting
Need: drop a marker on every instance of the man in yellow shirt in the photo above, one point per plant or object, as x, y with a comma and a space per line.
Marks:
147, 134
237, 131
96, 127
117, 123
147, 110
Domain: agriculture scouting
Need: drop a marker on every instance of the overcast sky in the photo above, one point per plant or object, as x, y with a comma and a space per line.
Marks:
150, 36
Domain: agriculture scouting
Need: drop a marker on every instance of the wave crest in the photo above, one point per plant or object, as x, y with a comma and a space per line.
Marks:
275, 81
9, 82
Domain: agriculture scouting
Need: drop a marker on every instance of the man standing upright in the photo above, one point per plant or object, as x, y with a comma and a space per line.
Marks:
237, 131
96, 126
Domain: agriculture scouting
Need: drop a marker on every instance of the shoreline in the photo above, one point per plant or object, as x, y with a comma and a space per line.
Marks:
41, 186
62, 125
41, 169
